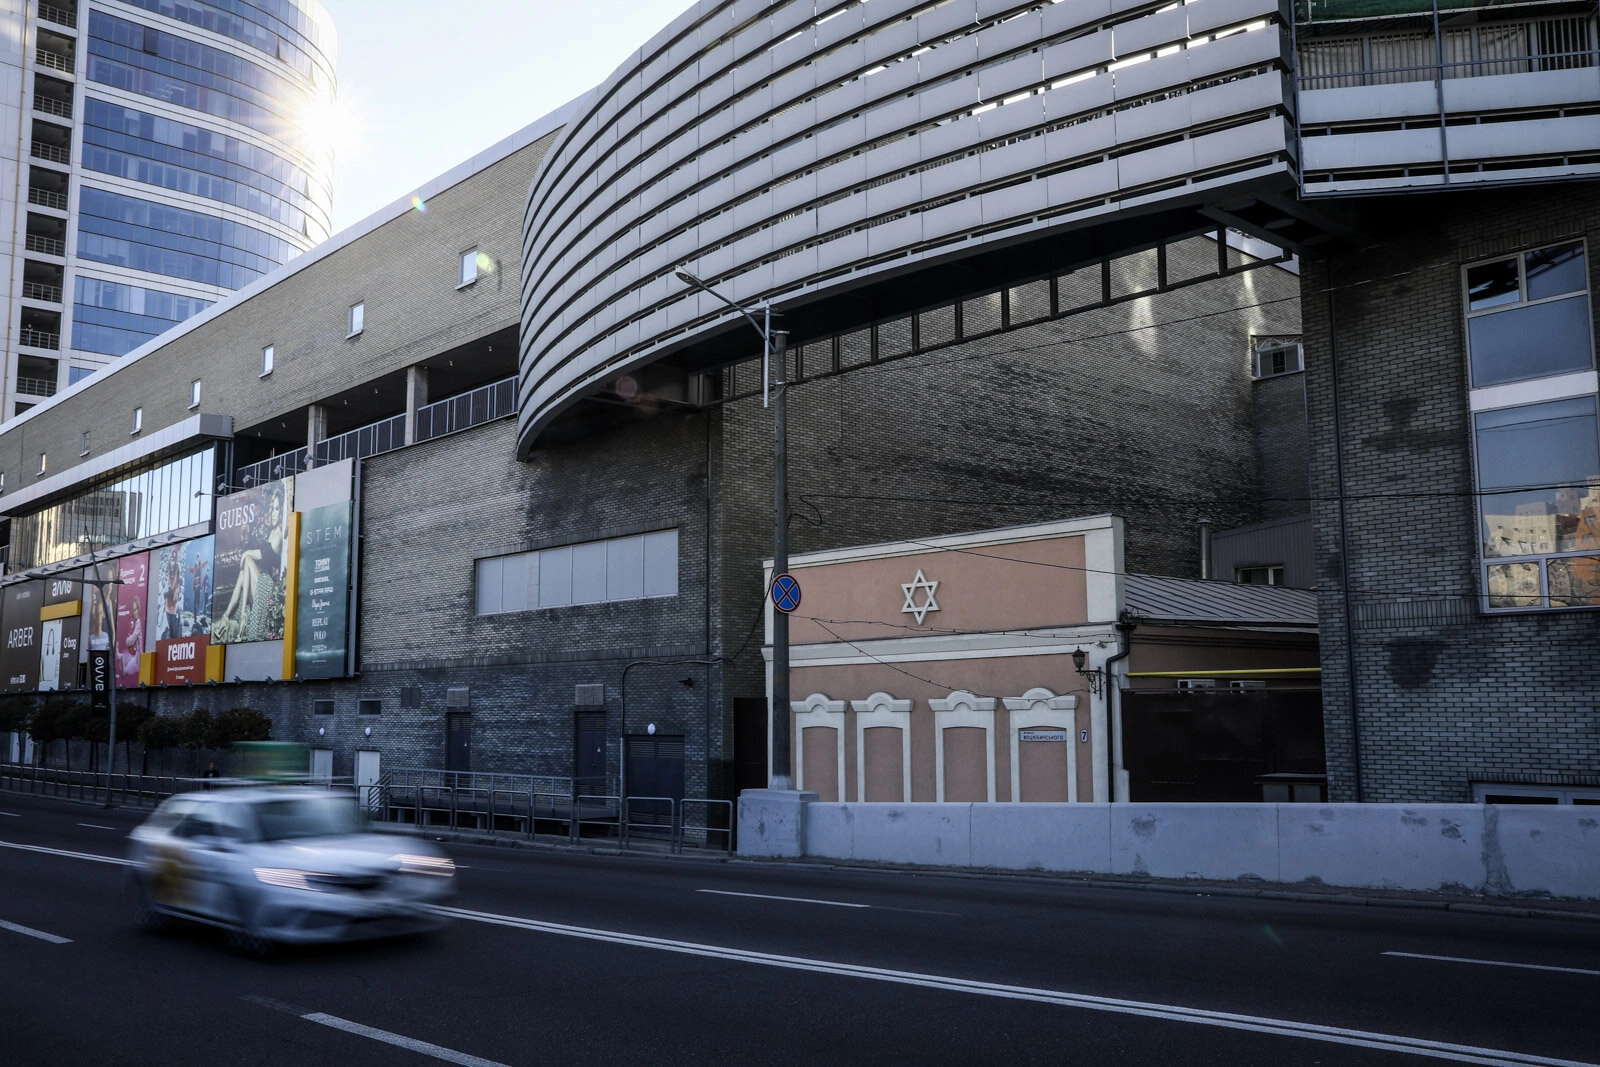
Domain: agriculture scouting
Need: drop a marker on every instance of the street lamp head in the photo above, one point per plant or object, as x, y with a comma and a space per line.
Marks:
1078, 658
684, 276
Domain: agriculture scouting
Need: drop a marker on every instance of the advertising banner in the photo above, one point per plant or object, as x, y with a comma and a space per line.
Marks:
180, 594
100, 678
324, 600
99, 604
132, 595
63, 588
247, 601
50, 656
19, 659
181, 659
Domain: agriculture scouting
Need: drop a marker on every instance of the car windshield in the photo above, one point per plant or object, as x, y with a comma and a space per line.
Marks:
308, 817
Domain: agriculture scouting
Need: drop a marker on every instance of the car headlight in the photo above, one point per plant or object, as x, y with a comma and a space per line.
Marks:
287, 877
441, 866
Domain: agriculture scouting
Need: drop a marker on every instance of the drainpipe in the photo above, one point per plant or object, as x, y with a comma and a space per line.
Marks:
1205, 550
1125, 628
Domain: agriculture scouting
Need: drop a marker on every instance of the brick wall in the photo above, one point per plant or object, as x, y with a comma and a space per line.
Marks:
1446, 695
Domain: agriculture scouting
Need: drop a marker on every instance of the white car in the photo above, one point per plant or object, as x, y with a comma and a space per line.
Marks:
282, 864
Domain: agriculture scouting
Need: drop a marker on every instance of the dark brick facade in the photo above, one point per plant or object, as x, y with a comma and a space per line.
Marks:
1446, 694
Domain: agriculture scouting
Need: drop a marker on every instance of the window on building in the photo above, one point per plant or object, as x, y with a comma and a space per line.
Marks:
1275, 357
369, 707
194, 394
1264, 575
621, 568
78, 374
138, 420
85, 450
469, 268
1498, 793
322, 707
1536, 429
268, 356
358, 318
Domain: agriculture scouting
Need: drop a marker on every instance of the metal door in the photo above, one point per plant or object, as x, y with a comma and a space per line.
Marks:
589, 754
655, 769
322, 765
366, 776
458, 741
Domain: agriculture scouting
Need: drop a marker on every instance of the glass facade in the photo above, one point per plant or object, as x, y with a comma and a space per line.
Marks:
189, 159
165, 498
164, 66
598, 572
147, 236
275, 27
114, 319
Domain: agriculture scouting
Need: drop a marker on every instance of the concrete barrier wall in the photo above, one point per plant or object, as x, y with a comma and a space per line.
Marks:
1493, 850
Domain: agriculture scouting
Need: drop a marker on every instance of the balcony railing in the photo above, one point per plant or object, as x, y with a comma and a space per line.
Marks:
54, 153
41, 291
373, 440
270, 470
61, 16
48, 198
497, 400
40, 338
1481, 50
51, 106
53, 60
36, 386
50, 246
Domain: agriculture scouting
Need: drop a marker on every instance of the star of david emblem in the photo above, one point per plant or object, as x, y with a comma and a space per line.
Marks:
920, 585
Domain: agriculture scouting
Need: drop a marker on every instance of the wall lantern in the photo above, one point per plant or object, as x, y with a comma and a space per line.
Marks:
1079, 658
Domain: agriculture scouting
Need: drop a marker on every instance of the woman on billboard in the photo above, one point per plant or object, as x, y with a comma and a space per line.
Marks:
250, 614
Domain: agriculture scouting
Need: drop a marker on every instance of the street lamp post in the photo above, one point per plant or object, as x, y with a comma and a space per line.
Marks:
773, 343
111, 665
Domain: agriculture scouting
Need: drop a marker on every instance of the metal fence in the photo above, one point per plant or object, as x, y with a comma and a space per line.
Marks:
497, 400
127, 790
1482, 50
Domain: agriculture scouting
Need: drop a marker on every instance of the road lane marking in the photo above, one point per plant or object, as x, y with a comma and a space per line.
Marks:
1493, 963
63, 852
438, 1052
31, 932
1169, 1012
96, 826
10, 814
791, 900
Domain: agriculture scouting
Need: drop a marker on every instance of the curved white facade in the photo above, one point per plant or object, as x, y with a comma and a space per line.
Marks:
799, 151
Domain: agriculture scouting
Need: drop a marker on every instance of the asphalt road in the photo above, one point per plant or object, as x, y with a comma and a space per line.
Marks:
571, 957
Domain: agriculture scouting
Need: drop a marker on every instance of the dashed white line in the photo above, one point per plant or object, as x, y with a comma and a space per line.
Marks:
1337, 1035
1493, 963
425, 1048
790, 900
31, 932
10, 814
96, 826
63, 852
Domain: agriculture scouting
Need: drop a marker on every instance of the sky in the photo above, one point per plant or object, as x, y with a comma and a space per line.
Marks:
425, 85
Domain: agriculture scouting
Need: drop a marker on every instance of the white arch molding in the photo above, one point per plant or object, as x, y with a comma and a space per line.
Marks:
878, 711
1041, 709
962, 708
814, 711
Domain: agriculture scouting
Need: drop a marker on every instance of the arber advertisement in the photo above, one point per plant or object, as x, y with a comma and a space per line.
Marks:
247, 602
19, 620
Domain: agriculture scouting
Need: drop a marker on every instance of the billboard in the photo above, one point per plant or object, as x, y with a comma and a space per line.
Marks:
324, 595
19, 619
58, 642
132, 595
181, 660
247, 601
99, 604
180, 590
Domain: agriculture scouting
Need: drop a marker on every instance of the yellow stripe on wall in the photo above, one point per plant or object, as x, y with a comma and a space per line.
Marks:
291, 596
60, 611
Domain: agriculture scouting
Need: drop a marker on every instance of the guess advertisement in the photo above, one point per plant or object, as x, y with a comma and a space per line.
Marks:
19, 620
180, 600
132, 595
181, 659
324, 602
247, 603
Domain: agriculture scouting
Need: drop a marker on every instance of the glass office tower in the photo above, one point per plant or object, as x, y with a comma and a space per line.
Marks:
167, 153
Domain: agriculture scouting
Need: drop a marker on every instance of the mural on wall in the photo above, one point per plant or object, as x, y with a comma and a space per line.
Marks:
247, 602
324, 592
132, 595
180, 600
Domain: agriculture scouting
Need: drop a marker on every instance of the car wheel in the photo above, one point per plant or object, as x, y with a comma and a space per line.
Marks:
146, 916
243, 935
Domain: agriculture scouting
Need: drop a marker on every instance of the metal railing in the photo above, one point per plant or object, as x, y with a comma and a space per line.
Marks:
48, 198
50, 246
61, 16
53, 60
1482, 50
270, 470
497, 400
51, 106
41, 291
39, 338
371, 440
53, 153
144, 790
36, 386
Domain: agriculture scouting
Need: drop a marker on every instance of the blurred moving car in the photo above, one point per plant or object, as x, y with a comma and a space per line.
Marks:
282, 864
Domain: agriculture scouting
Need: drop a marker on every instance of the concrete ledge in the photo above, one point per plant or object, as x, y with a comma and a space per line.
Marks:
772, 822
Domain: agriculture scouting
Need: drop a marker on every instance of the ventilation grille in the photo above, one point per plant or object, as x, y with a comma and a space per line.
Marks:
592, 695
458, 696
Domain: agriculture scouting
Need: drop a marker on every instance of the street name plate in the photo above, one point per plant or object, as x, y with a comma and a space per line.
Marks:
1046, 735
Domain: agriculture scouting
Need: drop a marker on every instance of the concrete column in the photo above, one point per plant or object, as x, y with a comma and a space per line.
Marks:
772, 822
416, 397
316, 426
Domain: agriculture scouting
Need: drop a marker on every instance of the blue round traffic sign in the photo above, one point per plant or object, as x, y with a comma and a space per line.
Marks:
785, 593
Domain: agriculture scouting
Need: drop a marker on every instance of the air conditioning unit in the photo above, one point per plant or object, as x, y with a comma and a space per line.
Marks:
1197, 683
1275, 359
